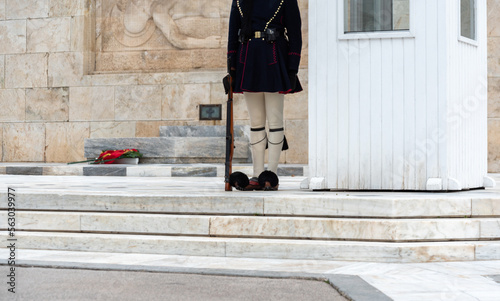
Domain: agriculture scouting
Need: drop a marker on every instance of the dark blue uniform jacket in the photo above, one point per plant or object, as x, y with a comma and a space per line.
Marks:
262, 66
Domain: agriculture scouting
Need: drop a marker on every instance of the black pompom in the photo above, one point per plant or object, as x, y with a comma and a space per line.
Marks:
239, 180
268, 176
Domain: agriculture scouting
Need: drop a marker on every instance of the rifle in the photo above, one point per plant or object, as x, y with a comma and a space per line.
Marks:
228, 84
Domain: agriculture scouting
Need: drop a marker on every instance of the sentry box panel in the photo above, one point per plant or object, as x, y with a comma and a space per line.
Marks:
398, 95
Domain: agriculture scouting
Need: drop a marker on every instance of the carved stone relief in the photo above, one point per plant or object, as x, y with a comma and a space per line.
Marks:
183, 23
162, 35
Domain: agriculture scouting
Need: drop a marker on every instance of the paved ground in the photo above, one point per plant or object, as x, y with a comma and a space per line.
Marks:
359, 281
39, 284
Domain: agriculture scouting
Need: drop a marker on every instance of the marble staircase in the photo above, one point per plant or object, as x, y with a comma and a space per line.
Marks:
289, 224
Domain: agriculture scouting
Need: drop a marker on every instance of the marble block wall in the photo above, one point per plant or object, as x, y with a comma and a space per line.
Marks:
76, 69
401, 14
53, 94
159, 35
493, 86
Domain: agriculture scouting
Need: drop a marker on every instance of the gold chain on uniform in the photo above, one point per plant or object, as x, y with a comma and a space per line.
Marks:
269, 22
239, 7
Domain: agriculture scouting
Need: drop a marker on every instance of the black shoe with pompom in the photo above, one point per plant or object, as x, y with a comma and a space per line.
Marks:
239, 180
269, 181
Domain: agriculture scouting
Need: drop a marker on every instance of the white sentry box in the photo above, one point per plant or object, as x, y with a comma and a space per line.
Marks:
398, 110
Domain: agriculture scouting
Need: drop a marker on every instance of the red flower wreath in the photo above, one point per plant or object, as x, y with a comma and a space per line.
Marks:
109, 156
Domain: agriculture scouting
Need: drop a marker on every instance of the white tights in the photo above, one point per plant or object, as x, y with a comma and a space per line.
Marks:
261, 106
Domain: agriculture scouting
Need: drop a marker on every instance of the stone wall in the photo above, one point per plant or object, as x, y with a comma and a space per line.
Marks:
401, 14
494, 85
65, 76
76, 69
149, 35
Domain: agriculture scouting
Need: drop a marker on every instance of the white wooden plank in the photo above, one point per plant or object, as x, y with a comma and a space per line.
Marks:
421, 96
465, 143
387, 114
332, 109
398, 122
466, 140
481, 152
432, 98
459, 102
365, 80
343, 115
475, 155
354, 111
409, 175
456, 102
474, 176
453, 88
376, 115
453, 135
322, 93
470, 102
312, 82
442, 84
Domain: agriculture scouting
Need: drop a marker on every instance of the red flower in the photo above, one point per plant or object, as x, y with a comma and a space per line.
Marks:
106, 157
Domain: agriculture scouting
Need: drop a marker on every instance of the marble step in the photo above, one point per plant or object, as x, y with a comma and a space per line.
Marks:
141, 170
240, 131
173, 150
97, 196
355, 229
261, 248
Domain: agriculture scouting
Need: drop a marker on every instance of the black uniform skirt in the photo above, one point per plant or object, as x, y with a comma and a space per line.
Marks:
262, 67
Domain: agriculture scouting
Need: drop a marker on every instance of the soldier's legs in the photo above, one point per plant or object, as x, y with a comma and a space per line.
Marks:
274, 103
258, 139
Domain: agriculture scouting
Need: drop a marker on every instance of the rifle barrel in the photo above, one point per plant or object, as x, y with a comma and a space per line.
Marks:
229, 136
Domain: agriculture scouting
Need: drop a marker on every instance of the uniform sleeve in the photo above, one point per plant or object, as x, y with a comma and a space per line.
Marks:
293, 25
234, 26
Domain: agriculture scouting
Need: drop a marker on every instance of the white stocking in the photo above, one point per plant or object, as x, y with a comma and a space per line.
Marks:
258, 141
262, 106
274, 111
